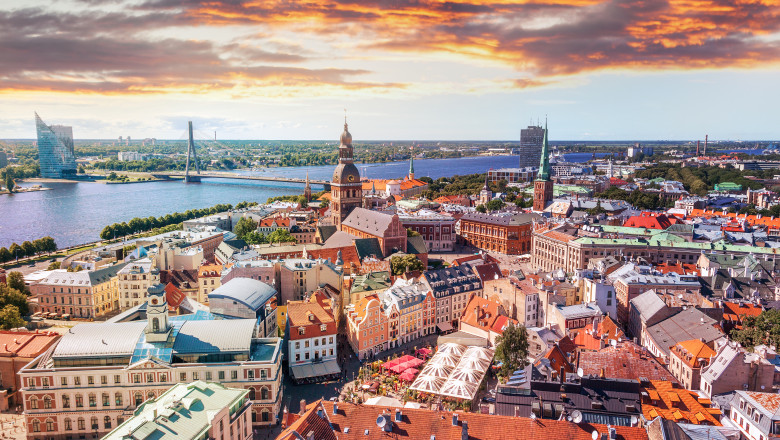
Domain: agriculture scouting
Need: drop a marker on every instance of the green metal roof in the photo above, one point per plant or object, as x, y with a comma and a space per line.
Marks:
183, 412
717, 246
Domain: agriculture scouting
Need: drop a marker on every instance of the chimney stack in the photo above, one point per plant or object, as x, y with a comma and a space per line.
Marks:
464, 433
706, 138
303, 407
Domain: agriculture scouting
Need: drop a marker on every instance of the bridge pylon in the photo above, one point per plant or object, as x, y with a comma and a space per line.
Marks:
191, 153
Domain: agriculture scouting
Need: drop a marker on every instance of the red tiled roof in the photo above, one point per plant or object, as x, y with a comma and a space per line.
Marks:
351, 422
557, 359
651, 220
484, 258
349, 254
773, 222
489, 271
283, 222
560, 236
207, 269
625, 361
678, 268
25, 344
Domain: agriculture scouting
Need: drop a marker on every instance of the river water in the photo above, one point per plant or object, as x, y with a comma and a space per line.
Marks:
75, 213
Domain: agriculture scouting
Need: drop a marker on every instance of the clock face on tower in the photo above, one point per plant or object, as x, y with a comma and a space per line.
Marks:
154, 301
351, 178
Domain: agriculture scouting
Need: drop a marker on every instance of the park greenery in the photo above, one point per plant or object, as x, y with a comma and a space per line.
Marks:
400, 264
28, 249
246, 229
757, 330
13, 302
512, 348
140, 224
299, 199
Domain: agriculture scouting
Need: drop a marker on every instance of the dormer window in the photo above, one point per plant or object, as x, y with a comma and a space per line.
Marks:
301, 330
323, 327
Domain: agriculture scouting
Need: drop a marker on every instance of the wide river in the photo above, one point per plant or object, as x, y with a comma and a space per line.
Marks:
75, 213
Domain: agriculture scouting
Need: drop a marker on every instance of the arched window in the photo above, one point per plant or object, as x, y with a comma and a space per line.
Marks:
92, 400
34, 403
118, 399
150, 395
46, 402
107, 422
94, 423
65, 401
36, 425
264, 393
81, 425
68, 425
49, 425
251, 393
254, 416
139, 398
266, 416
155, 324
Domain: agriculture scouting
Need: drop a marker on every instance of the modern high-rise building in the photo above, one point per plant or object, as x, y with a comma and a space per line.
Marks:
55, 150
530, 150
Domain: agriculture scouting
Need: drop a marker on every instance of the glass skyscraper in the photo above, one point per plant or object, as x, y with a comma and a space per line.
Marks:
55, 150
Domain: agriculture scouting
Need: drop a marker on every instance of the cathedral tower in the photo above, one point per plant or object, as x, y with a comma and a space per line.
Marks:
346, 189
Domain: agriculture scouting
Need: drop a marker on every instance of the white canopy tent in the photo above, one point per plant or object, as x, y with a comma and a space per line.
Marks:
455, 371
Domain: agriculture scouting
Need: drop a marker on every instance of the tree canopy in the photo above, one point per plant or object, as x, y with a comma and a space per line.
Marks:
757, 330
10, 317
512, 348
15, 280
244, 226
400, 264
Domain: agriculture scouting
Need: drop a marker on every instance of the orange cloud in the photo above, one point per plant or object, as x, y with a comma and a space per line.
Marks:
93, 51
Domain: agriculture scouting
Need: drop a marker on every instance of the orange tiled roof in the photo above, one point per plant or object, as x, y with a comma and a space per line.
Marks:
283, 222
735, 312
349, 254
26, 344
482, 313
351, 421
773, 222
560, 236
312, 312
770, 401
675, 403
691, 351
207, 269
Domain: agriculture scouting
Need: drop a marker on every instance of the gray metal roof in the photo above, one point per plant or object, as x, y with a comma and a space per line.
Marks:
202, 337
99, 340
252, 293
686, 325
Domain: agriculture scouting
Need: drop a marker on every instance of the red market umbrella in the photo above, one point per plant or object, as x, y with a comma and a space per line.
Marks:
397, 368
416, 362
406, 358
409, 374
424, 351
389, 364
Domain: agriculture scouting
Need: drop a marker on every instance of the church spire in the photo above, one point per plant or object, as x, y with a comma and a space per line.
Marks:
544, 163
411, 164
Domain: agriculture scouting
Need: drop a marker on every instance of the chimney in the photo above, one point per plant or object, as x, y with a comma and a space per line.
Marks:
303, 407
310, 435
563, 374
335, 408
464, 433
398, 416
454, 420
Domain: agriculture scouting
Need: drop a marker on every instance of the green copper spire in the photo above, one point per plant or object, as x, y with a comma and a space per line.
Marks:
411, 165
544, 163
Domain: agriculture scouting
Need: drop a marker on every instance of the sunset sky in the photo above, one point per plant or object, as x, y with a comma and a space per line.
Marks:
403, 69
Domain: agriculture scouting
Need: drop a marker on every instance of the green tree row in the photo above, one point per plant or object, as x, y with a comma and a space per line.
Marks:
140, 224
27, 249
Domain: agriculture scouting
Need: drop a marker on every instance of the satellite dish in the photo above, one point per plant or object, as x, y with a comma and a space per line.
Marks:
634, 420
533, 416
580, 373
613, 342
380, 421
595, 435
576, 416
